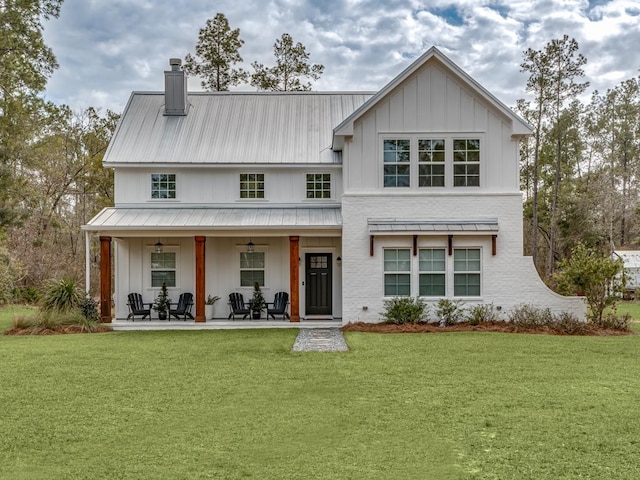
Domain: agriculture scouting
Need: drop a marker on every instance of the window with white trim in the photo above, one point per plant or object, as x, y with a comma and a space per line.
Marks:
466, 162
252, 185
163, 269
318, 185
397, 272
252, 268
163, 185
431, 157
466, 272
432, 272
396, 157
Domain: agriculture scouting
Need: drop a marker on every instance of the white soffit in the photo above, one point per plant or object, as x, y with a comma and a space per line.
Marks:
212, 219
478, 226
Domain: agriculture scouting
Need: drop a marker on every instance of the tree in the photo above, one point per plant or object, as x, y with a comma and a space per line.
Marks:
292, 66
216, 53
598, 277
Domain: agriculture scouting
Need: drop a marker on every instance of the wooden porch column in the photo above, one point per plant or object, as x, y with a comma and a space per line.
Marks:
200, 278
105, 279
294, 277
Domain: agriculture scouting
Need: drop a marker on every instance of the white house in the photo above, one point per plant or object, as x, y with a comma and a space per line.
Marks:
347, 198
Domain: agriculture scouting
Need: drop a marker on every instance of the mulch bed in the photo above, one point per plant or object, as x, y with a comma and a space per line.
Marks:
56, 331
501, 327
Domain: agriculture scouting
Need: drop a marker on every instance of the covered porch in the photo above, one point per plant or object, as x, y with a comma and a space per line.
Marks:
215, 252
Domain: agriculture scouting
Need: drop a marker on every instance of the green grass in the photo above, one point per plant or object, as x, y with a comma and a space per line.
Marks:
241, 405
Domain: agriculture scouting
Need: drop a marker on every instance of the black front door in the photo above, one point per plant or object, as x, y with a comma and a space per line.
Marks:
318, 284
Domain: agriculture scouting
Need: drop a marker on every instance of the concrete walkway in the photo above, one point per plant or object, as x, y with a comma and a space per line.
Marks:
320, 340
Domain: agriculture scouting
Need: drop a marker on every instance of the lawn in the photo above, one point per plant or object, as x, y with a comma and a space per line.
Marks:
241, 405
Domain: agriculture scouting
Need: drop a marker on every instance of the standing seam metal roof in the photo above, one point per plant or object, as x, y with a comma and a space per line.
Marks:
232, 128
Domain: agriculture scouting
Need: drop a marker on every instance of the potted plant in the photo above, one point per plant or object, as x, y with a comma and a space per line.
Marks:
257, 303
162, 303
208, 306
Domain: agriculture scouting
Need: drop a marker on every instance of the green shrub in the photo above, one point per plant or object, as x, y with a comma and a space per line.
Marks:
612, 321
400, 310
89, 309
481, 313
568, 324
26, 295
449, 312
61, 296
529, 316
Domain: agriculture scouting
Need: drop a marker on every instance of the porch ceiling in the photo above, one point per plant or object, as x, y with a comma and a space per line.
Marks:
393, 226
205, 220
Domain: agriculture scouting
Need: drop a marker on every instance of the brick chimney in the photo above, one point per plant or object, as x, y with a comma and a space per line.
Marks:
175, 89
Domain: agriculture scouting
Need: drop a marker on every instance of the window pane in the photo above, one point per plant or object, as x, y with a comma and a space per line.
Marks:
158, 277
397, 285
466, 284
432, 285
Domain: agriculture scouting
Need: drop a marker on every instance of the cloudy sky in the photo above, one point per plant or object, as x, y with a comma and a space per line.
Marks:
108, 48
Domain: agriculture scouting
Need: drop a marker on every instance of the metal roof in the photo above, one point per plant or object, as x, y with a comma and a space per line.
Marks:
232, 128
381, 226
211, 219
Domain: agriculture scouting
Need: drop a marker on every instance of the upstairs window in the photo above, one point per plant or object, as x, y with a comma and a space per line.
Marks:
466, 162
397, 163
252, 185
431, 163
318, 185
163, 185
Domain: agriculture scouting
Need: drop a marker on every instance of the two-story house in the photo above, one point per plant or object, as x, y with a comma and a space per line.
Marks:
340, 199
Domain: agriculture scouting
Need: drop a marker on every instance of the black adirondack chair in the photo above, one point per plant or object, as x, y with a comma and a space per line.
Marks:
138, 307
183, 307
238, 307
279, 306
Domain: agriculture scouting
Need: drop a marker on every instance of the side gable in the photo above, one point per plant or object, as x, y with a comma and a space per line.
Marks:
436, 59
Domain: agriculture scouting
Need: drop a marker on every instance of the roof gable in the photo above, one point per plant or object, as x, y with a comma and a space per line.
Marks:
518, 125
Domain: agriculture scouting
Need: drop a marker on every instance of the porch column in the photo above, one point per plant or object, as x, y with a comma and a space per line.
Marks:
200, 278
105, 279
294, 276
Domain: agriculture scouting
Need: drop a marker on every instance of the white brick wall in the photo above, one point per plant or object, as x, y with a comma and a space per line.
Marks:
508, 278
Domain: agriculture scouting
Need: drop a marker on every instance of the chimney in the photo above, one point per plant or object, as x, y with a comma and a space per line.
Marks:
175, 89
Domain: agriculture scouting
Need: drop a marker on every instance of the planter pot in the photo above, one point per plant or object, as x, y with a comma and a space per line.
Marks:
162, 315
208, 311
255, 314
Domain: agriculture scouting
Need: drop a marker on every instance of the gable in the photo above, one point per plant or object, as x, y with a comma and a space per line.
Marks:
432, 94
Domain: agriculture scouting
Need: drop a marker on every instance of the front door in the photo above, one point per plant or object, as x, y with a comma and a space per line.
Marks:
318, 284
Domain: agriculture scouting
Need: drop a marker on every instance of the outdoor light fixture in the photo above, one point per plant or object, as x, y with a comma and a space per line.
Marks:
339, 261
250, 246
158, 247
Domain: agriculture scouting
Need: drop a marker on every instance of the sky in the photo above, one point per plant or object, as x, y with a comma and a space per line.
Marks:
108, 48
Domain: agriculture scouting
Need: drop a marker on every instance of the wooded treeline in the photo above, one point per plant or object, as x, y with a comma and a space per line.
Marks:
579, 168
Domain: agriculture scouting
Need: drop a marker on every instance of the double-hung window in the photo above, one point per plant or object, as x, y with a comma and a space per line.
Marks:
252, 268
163, 269
318, 185
431, 162
432, 268
396, 157
397, 272
163, 185
466, 162
466, 272
252, 185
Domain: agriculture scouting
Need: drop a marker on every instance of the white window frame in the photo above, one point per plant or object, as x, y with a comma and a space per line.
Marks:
263, 269
387, 153
314, 182
396, 271
467, 272
461, 160
442, 272
256, 191
147, 267
158, 183
429, 163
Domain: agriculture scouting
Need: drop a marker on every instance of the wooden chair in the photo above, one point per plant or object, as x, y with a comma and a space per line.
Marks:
237, 305
138, 307
183, 307
279, 306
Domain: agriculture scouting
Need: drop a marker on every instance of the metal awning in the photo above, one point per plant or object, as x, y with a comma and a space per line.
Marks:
400, 226
214, 219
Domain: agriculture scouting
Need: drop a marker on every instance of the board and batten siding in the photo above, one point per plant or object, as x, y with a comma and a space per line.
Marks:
214, 186
432, 102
